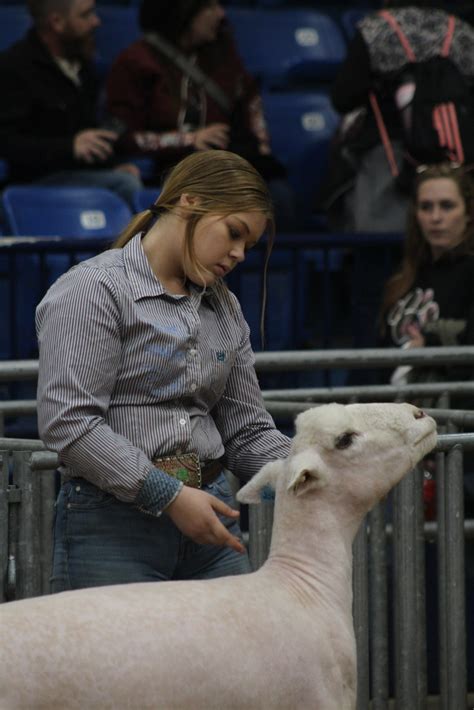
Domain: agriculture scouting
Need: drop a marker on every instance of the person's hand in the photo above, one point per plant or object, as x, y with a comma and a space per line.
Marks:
128, 168
194, 512
417, 339
216, 135
94, 145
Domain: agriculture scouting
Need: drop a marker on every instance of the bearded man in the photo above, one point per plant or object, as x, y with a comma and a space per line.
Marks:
49, 131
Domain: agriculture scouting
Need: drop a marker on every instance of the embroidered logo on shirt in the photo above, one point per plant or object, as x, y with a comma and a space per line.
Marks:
221, 355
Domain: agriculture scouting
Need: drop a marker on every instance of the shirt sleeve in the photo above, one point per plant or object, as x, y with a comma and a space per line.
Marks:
248, 432
79, 333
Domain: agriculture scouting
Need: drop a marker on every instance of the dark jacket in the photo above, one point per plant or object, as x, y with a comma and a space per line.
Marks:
41, 110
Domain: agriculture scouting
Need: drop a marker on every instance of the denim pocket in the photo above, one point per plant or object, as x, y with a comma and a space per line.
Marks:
82, 495
221, 489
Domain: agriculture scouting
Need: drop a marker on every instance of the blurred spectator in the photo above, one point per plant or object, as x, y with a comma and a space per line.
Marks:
183, 87
430, 300
361, 192
48, 114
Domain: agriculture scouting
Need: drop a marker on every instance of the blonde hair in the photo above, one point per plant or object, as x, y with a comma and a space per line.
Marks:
222, 183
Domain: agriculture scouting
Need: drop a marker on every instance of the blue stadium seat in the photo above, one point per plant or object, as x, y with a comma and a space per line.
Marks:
350, 18
288, 46
49, 211
119, 28
64, 211
14, 22
144, 198
301, 126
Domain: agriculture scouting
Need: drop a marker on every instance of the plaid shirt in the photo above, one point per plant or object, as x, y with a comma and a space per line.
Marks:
128, 372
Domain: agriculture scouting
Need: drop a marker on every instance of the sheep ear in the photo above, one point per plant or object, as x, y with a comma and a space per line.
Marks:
267, 476
307, 472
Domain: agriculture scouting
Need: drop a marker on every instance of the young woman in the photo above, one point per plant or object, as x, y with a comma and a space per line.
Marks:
147, 387
430, 300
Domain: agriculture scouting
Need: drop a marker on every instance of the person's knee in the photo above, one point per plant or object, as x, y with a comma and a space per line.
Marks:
126, 185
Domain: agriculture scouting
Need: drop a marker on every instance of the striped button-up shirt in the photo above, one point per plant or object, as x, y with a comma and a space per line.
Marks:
129, 372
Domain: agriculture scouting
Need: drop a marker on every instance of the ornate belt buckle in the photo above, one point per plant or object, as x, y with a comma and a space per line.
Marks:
185, 467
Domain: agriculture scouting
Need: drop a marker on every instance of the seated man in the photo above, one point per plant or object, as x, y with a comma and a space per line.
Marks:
48, 113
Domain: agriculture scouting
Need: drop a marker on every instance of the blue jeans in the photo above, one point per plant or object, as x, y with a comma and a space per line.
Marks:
99, 540
123, 184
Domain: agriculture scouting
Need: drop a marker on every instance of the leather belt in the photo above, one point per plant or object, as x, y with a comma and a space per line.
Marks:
188, 469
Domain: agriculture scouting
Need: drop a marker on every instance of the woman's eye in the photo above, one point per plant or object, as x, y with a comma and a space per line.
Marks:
234, 233
345, 440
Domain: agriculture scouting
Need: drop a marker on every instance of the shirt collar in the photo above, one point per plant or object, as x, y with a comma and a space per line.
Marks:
143, 281
139, 272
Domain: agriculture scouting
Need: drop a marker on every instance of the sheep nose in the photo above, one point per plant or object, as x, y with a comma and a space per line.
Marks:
419, 414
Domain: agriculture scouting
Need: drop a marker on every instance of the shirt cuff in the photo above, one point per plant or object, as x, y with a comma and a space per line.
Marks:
157, 492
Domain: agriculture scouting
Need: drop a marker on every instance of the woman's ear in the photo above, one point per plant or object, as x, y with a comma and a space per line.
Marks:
188, 200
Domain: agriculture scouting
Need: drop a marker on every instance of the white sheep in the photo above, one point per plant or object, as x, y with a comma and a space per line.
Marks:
281, 637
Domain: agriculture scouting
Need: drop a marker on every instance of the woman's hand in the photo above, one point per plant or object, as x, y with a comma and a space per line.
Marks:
417, 339
216, 135
194, 512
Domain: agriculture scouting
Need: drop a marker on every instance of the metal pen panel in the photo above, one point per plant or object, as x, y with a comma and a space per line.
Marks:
378, 605
409, 594
360, 585
3, 523
29, 571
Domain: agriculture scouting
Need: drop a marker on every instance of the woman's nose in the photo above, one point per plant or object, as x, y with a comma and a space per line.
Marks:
238, 253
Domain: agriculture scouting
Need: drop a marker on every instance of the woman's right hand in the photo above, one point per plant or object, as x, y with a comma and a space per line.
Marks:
216, 135
194, 512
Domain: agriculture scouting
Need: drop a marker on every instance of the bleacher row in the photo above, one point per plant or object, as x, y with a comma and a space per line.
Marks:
294, 53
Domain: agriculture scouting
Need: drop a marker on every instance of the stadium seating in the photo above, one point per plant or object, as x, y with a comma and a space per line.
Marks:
287, 47
14, 22
144, 198
64, 211
301, 125
119, 27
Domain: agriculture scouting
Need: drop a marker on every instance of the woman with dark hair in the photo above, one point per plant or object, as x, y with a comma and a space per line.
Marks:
430, 299
183, 87
147, 388
362, 192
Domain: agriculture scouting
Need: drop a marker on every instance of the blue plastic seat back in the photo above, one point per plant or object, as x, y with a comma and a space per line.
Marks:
286, 47
64, 211
144, 198
301, 126
349, 20
119, 28
14, 22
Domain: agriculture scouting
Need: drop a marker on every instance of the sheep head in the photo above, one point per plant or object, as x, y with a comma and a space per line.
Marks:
360, 449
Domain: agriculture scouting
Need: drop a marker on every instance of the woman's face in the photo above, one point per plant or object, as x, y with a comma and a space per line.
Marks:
205, 25
441, 214
220, 243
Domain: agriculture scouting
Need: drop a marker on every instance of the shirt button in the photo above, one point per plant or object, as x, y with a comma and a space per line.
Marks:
193, 387
182, 422
193, 352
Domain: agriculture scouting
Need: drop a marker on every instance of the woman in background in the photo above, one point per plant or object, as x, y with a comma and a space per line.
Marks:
183, 87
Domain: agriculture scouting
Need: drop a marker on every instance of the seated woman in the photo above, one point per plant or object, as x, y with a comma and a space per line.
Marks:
430, 300
183, 87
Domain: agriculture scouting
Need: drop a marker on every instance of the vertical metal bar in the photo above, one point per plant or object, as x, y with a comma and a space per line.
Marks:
28, 567
378, 608
260, 532
3, 523
361, 615
410, 637
441, 581
455, 593
47, 490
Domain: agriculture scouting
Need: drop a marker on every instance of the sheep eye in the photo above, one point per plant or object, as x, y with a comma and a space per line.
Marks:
345, 440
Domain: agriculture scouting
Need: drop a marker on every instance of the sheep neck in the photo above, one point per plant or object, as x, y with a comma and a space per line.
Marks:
317, 562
